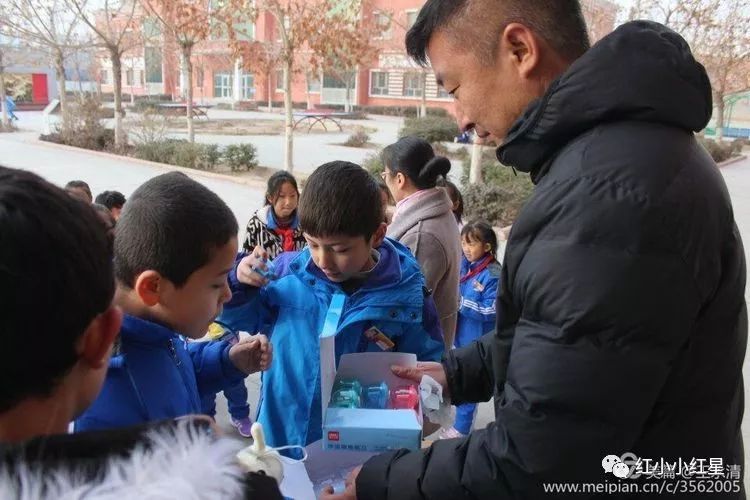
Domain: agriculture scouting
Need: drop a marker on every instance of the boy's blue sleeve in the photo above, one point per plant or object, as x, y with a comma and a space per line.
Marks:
246, 310
426, 339
481, 306
213, 368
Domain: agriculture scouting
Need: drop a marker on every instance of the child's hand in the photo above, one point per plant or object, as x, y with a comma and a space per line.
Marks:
252, 354
246, 269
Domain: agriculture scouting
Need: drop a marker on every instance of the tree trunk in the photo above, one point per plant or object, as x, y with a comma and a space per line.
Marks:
120, 139
3, 104
348, 104
475, 171
60, 75
719, 117
188, 92
269, 91
289, 125
423, 105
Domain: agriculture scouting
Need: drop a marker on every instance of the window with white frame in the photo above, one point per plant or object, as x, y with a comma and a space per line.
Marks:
443, 94
379, 83
248, 86
129, 77
104, 76
383, 22
280, 80
412, 85
313, 83
223, 84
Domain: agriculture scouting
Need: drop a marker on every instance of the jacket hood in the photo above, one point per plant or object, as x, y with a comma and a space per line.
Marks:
643, 71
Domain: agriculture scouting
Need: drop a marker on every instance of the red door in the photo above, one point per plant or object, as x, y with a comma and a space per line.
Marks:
39, 88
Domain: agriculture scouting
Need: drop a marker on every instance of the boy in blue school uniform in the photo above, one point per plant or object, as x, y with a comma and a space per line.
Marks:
175, 243
386, 306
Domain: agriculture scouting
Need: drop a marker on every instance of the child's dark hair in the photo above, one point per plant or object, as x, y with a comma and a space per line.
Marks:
455, 195
384, 188
276, 182
79, 185
415, 158
55, 278
481, 231
110, 199
172, 225
108, 223
340, 198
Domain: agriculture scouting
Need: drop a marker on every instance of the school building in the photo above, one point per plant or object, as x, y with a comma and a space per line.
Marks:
390, 79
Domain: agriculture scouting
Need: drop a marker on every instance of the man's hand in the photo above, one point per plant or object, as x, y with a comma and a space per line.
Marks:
350, 493
414, 373
252, 354
246, 269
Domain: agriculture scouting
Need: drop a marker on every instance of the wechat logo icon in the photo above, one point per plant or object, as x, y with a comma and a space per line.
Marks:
613, 464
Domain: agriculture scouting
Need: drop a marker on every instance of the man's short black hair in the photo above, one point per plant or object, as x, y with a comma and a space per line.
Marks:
171, 224
477, 25
55, 278
110, 199
340, 198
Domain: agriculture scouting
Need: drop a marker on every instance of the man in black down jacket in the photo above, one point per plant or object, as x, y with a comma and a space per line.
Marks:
622, 323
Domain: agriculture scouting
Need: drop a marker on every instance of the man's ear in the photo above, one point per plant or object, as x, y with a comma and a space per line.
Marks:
96, 344
148, 286
379, 235
520, 46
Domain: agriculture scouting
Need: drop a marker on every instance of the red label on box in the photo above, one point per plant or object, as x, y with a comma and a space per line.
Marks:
333, 436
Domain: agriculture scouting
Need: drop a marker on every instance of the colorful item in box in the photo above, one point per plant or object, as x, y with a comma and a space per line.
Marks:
348, 383
405, 397
376, 396
346, 398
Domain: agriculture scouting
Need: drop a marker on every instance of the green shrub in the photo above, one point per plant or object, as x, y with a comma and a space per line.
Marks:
210, 156
188, 155
432, 129
146, 105
179, 152
720, 151
240, 157
500, 196
358, 139
373, 163
158, 151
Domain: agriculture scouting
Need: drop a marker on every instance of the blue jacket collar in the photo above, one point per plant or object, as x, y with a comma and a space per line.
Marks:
387, 272
139, 330
272, 224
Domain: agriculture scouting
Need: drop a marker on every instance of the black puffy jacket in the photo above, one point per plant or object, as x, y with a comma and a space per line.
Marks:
622, 323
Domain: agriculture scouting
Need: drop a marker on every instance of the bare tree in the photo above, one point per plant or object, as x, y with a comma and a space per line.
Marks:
114, 27
49, 26
343, 41
296, 22
718, 32
187, 22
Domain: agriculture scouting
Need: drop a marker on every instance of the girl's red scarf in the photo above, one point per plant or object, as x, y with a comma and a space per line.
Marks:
481, 266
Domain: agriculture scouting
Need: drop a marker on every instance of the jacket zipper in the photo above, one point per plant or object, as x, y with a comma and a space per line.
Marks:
172, 350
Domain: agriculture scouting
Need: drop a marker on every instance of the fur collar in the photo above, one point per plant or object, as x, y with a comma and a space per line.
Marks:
179, 463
